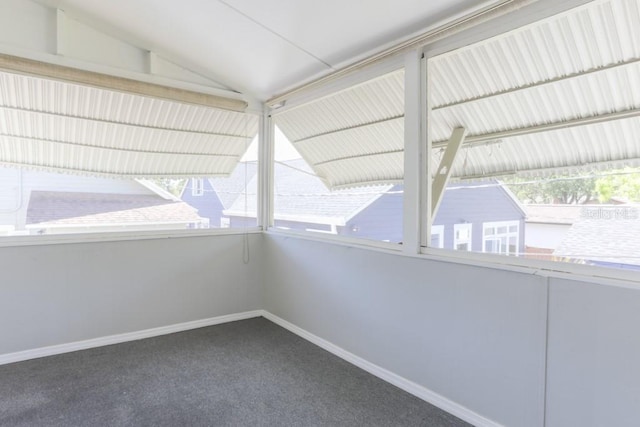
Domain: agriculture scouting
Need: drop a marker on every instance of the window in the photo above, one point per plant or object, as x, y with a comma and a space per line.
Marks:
197, 187
119, 169
547, 160
462, 237
339, 162
501, 237
437, 236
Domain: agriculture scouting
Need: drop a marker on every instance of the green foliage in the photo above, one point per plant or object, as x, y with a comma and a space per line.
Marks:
568, 189
563, 189
625, 185
172, 185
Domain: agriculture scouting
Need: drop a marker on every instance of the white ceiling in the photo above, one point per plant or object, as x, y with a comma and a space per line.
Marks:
260, 47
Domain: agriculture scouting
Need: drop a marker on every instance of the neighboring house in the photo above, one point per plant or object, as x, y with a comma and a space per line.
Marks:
484, 216
604, 235
212, 196
547, 225
49, 203
479, 216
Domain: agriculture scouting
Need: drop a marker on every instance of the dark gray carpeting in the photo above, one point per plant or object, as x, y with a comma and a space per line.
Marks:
247, 373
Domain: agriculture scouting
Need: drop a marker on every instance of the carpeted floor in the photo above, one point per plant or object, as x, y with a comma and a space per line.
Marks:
247, 373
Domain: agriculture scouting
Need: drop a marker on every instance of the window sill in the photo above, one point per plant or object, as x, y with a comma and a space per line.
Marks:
59, 239
551, 269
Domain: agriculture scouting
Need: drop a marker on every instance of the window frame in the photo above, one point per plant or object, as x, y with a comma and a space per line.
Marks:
456, 241
197, 187
498, 236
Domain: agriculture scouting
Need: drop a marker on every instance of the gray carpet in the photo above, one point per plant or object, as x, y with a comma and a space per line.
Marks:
247, 373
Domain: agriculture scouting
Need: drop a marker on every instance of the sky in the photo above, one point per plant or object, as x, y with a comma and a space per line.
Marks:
284, 149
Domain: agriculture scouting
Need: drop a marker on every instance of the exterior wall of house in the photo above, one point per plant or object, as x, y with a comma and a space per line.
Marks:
382, 220
547, 236
208, 204
477, 206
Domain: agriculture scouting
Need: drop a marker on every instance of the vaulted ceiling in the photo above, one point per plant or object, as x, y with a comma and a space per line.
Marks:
261, 48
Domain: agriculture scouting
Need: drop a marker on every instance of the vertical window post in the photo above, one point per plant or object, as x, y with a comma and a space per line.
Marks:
413, 155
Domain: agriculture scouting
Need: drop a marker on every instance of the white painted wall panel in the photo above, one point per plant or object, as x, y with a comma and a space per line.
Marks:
594, 354
59, 294
473, 335
27, 25
85, 43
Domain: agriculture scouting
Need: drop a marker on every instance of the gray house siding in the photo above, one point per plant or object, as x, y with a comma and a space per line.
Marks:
381, 220
208, 204
477, 203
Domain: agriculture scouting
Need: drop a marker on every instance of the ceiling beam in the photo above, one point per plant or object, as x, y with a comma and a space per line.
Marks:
51, 71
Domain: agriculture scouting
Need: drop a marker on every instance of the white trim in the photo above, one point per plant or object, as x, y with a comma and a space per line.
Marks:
463, 226
497, 236
120, 338
118, 236
386, 375
197, 187
411, 201
349, 241
437, 230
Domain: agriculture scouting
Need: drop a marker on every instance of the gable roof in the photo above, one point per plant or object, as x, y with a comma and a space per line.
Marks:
70, 208
230, 188
604, 233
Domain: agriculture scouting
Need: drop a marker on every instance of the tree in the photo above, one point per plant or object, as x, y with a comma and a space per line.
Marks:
624, 184
562, 189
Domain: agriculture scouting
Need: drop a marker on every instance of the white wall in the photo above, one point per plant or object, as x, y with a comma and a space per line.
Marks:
516, 348
477, 336
473, 335
58, 294
545, 235
594, 355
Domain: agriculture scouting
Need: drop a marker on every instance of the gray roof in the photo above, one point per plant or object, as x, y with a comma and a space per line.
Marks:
604, 233
230, 188
69, 208
553, 214
300, 194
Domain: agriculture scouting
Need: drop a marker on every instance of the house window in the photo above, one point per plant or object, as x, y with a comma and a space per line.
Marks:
462, 237
197, 187
501, 237
437, 236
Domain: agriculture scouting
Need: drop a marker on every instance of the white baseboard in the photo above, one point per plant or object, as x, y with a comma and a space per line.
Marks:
120, 338
409, 386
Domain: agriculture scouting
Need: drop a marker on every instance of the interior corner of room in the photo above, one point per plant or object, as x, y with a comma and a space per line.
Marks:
370, 178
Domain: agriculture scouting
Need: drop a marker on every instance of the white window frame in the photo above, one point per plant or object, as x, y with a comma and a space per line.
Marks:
437, 230
469, 241
197, 187
499, 237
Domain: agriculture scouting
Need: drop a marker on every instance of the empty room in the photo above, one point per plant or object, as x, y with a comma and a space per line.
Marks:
329, 213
